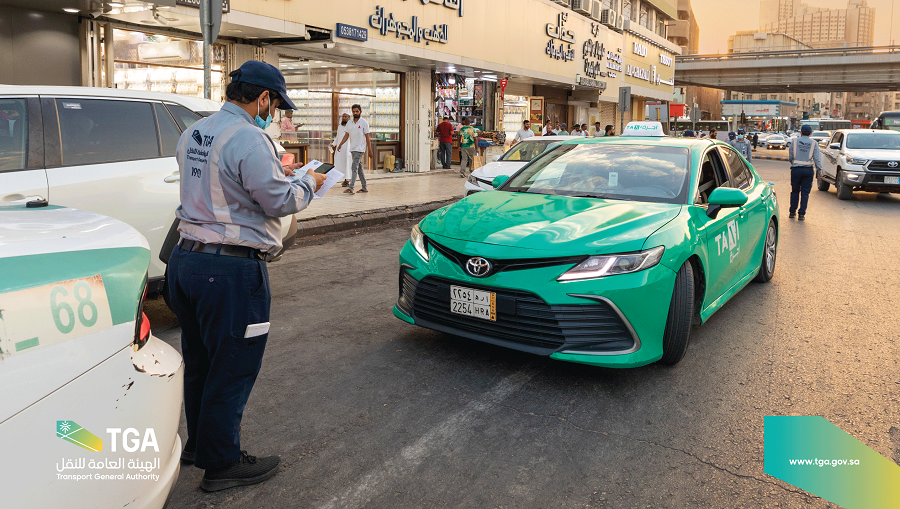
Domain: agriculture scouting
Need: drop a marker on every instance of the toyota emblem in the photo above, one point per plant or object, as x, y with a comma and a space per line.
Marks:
893, 164
478, 267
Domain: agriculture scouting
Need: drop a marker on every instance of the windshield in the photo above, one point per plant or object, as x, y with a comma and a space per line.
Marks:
885, 141
525, 151
820, 134
624, 172
776, 137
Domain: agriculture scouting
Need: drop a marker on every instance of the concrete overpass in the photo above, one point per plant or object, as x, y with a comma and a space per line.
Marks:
798, 71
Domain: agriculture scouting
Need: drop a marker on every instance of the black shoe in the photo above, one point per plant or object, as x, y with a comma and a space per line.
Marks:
187, 457
791, 215
802, 217
246, 471
345, 183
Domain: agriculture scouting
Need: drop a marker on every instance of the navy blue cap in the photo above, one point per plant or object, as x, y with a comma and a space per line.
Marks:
806, 129
267, 76
688, 134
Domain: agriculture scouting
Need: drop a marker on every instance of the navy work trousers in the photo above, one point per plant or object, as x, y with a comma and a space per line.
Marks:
215, 297
801, 183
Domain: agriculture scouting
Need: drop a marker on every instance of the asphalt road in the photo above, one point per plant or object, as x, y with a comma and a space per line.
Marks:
368, 411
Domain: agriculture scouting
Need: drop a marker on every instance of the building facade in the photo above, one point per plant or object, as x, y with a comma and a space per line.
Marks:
407, 63
820, 27
685, 32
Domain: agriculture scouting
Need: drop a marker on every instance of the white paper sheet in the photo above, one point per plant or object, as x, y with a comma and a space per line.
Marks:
331, 178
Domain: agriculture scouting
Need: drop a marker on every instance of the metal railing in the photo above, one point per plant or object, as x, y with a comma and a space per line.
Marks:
756, 55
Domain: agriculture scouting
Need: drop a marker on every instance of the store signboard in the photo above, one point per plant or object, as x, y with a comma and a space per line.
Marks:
402, 30
648, 65
351, 32
559, 32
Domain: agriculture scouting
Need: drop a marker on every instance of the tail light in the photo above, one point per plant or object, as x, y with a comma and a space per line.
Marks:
141, 323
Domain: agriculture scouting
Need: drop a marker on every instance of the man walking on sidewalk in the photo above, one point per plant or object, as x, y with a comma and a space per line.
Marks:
803, 153
524, 133
358, 130
466, 148
342, 155
445, 141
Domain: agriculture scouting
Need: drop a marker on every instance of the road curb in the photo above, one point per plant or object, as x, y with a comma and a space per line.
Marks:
340, 222
771, 158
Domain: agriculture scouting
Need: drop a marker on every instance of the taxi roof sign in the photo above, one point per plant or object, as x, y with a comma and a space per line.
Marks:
643, 129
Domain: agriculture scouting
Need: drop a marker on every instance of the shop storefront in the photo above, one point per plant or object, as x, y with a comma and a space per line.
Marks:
772, 115
323, 91
648, 68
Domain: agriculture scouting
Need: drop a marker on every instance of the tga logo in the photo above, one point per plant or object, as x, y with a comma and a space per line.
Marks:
70, 431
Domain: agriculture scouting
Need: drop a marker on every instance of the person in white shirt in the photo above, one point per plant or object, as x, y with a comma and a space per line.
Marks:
598, 131
358, 138
576, 131
342, 155
524, 133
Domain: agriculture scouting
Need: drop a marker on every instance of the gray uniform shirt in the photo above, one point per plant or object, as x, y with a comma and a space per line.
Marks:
744, 147
233, 188
804, 151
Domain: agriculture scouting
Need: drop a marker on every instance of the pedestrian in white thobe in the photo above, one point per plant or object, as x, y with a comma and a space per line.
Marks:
342, 157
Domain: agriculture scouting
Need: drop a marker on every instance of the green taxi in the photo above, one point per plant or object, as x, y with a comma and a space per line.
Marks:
602, 251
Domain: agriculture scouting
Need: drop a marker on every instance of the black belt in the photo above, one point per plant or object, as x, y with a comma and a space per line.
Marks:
221, 249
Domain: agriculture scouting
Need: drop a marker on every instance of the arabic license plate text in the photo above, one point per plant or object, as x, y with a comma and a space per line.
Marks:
892, 180
477, 303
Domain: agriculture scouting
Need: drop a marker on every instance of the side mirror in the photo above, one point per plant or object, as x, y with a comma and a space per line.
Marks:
499, 180
836, 146
724, 197
495, 158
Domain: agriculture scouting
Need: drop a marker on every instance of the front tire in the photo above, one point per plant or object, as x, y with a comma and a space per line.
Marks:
681, 313
844, 192
823, 184
770, 251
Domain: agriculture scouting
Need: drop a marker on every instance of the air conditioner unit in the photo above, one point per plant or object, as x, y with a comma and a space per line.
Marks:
582, 7
562, 2
161, 51
609, 17
595, 10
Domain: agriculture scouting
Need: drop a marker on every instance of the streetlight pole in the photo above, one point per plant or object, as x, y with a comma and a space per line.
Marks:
206, 30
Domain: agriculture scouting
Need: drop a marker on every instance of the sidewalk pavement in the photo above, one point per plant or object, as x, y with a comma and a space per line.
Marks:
771, 155
391, 196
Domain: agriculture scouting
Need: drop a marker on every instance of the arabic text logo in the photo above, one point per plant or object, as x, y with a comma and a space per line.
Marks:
70, 431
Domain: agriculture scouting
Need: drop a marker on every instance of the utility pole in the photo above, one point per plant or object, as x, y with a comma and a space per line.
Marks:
210, 22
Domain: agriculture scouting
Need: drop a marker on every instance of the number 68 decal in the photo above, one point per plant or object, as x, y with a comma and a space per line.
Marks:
86, 309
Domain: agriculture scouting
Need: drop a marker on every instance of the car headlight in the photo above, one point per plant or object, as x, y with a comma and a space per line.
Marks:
418, 241
856, 160
610, 265
472, 180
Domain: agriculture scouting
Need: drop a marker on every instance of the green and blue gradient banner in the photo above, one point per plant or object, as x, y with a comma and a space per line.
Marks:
815, 455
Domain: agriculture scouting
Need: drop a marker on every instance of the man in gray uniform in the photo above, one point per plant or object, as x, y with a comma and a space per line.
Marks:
742, 145
803, 153
233, 192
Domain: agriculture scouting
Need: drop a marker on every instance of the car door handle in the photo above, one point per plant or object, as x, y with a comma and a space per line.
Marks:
20, 198
175, 177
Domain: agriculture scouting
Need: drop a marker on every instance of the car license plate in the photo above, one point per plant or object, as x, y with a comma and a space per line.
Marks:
892, 180
46, 315
477, 303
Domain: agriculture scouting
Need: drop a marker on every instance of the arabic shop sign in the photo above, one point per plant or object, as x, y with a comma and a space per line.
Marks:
643, 74
589, 82
556, 32
592, 51
456, 5
613, 63
403, 30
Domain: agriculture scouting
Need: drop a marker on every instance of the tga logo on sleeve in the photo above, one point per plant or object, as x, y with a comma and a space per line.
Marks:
202, 140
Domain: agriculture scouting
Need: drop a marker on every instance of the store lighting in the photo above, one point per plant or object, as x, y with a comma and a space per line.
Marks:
71, 10
343, 65
318, 61
117, 5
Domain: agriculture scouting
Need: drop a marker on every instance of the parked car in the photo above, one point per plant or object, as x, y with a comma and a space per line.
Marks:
776, 141
601, 251
861, 160
820, 136
109, 151
77, 355
511, 161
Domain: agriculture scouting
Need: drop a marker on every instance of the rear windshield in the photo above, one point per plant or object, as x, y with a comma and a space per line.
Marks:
823, 134
624, 172
886, 140
525, 151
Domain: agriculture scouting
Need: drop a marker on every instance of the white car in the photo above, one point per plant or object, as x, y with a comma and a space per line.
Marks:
820, 136
512, 161
776, 141
105, 150
77, 356
862, 160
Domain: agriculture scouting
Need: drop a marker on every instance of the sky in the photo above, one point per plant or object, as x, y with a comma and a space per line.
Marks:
720, 18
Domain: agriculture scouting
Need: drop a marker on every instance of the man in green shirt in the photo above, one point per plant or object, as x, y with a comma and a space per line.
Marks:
467, 136
562, 130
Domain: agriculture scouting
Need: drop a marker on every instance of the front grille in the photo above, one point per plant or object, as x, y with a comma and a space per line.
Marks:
524, 320
501, 265
883, 166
